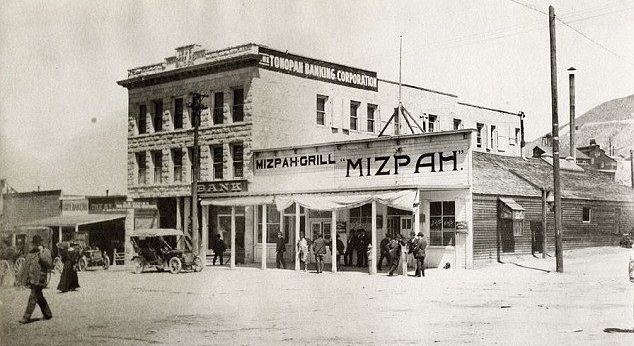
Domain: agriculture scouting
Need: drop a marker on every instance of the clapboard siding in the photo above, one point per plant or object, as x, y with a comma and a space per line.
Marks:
602, 230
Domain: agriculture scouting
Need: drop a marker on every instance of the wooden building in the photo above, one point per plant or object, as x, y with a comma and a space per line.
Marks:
595, 210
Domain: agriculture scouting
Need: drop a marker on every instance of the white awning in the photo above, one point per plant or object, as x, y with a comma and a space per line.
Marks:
403, 199
238, 201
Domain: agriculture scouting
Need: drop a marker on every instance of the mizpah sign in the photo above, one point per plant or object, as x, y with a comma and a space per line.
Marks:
316, 69
428, 161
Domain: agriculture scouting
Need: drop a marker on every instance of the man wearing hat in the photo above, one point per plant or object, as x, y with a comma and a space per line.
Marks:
280, 248
420, 244
36, 266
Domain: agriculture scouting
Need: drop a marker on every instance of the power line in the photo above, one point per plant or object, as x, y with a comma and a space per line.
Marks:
576, 30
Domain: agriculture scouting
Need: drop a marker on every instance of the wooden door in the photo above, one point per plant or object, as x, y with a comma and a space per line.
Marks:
506, 235
538, 236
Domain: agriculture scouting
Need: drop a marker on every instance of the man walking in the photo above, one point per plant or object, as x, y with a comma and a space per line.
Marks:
420, 244
395, 247
280, 249
37, 264
384, 247
319, 249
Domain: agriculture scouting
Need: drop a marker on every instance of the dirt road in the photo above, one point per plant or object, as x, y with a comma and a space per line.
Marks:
512, 303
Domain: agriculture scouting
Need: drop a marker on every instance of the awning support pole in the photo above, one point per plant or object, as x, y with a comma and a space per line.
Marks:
264, 236
232, 258
76, 228
333, 241
297, 226
205, 233
60, 234
372, 259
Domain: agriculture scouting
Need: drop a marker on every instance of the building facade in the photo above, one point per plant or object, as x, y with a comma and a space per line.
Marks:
260, 98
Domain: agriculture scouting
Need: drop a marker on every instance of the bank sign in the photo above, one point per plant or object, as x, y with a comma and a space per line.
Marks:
413, 162
316, 69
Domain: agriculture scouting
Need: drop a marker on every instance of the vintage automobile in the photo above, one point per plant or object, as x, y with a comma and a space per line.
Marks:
88, 257
153, 251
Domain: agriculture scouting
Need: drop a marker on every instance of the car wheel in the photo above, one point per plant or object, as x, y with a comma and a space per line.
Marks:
138, 265
83, 264
58, 265
106, 261
198, 264
175, 265
17, 266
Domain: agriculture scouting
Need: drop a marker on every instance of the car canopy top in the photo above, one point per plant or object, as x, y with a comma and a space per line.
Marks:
156, 232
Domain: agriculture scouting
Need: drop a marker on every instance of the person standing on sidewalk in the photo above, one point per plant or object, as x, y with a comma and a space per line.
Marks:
350, 247
420, 244
319, 249
36, 266
340, 251
219, 248
394, 248
385, 251
280, 248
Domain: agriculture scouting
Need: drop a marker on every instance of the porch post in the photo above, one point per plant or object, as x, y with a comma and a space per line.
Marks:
333, 241
205, 235
232, 258
372, 261
59, 233
297, 227
264, 236
179, 222
76, 228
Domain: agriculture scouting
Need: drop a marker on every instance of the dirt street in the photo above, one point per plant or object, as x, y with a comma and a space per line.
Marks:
511, 303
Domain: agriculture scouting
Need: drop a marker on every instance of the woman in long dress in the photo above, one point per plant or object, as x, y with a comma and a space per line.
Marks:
69, 280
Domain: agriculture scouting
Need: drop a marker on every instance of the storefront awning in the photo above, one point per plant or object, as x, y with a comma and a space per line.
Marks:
73, 220
509, 209
403, 199
238, 201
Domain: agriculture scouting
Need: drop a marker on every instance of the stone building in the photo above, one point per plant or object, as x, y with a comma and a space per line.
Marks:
260, 98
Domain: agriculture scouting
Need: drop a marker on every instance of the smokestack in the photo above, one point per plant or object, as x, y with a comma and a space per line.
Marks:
571, 81
106, 192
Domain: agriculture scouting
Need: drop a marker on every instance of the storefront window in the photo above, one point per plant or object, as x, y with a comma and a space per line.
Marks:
361, 215
222, 225
272, 223
289, 222
442, 223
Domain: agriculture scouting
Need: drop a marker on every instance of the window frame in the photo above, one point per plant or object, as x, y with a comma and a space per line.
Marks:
431, 123
178, 169
354, 106
180, 116
157, 157
217, 166
237, 108
443, 231
479, 127
371, 119
141, 157
142, 120
235, 162
157, 117
271, 230
219, 108
322, 112
456, 124
583, 212
493, 137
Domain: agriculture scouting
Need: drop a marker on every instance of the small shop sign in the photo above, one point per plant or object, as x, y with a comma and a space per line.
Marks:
225, 186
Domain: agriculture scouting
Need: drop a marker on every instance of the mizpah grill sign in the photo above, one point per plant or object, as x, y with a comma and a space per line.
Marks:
412, 162
316, 69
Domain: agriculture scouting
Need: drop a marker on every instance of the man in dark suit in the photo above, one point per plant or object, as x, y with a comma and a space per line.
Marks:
350, 247
385, 251
36, 266
420, 244
362, 248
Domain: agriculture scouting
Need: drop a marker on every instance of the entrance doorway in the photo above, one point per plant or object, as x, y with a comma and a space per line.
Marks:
221, 224
506, 235
538, 236
399, 224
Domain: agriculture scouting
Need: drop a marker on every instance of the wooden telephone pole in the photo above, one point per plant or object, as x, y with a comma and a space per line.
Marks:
196, 106
555, 131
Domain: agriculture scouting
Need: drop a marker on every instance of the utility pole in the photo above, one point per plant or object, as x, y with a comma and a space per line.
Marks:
555, 131
196, 106
573, 130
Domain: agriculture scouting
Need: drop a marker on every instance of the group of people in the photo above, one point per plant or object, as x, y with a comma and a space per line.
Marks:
392, 248
395, 248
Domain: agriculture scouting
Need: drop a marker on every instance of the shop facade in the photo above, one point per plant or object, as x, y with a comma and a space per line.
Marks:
417, 183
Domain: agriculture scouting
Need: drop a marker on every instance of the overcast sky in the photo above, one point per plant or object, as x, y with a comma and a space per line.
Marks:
60, 61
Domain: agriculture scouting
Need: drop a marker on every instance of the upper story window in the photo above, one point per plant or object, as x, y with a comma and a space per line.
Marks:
194, 159
141, 124
237, 155
178, 113
457, 124
219, 103
586, 215
479, 126
442, 223
371, 117
157, 160
177, 161
217, 156
321, 109
432, 122
493, 136
354, 116
157, 118
141, 167
238, 105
